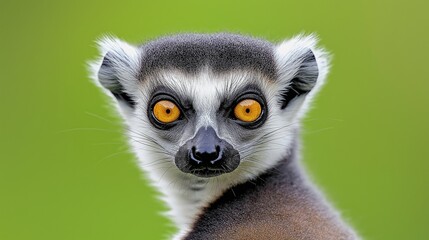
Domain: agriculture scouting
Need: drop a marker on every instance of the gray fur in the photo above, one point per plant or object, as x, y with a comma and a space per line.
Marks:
222, 52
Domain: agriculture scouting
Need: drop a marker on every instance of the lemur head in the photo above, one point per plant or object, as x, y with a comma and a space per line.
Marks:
211, 105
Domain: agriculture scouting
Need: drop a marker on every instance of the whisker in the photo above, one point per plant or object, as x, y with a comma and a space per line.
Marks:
87, 129
101, 118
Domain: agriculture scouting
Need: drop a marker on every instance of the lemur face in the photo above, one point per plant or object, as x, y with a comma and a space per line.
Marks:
208, 120
211, 105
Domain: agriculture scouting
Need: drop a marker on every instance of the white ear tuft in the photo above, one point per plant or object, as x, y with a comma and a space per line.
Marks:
301, 66
117, 69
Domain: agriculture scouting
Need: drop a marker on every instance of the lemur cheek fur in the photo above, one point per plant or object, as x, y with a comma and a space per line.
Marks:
218, 115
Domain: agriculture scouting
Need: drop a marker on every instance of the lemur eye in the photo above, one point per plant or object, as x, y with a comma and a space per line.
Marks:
248, 110
166, 111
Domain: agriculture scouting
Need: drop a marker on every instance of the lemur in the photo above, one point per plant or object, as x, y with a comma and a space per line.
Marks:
214, 120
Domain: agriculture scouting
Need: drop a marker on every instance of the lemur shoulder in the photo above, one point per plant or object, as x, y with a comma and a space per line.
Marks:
214, 120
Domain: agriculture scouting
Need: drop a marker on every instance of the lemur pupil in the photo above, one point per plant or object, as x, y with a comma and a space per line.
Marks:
247, 110
168, 111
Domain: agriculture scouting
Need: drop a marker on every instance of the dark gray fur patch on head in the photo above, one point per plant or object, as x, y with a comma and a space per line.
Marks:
222, 52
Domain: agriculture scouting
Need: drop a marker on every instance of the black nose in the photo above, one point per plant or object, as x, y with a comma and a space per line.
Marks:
206, 150
206, 154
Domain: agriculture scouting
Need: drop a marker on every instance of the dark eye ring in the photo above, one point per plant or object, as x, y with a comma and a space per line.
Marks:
164, 112
249, 110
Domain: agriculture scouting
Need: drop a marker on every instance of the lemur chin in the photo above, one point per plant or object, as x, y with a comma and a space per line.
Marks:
214, 120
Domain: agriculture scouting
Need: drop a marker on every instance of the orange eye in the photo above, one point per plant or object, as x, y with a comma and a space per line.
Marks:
166, 111
248, 110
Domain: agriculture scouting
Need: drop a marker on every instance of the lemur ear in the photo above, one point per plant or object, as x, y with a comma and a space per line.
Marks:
301, 67
117, 69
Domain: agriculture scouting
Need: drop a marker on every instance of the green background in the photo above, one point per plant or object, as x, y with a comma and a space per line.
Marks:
65, 172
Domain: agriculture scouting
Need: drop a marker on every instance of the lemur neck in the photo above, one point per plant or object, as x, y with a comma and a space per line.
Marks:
286, 172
